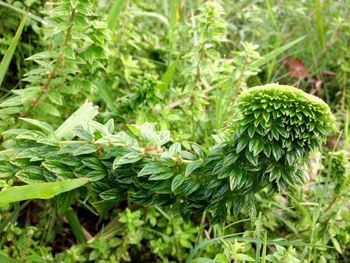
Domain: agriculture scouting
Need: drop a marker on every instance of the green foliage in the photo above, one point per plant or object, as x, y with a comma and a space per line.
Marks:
271, 138
185, 67
337, 164
75, 54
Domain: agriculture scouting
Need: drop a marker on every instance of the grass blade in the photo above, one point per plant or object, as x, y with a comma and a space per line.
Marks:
39, 190
5, 62
5, 259
113, 15
162, 86
302, 209
319, 22
272, 55
106, 93
77, 228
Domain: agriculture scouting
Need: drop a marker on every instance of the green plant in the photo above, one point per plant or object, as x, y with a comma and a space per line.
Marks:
184, 66
69, 65
269, 139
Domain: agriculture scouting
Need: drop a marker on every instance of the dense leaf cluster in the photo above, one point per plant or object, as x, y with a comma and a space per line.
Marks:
76, 52
275, 129
338, 165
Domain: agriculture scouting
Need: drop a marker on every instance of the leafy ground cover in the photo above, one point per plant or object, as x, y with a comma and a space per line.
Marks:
151, 131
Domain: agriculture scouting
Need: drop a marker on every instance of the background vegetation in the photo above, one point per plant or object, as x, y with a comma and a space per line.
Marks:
179, 66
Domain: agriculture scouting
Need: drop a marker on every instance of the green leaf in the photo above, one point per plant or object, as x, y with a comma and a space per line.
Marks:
5, 62
162, 86
6, 171
177, 182
6, 259
152, 168
235, 177
161, 176
55, 97
336, 245
48, 109
251, 158
242, 144
175, 148
193, 166
85, 149
244, 257
105, 91
96, 175
267, 150
81, 116
276, 151
131, 157
82, 133
31, 174
205, 260
64, 201
39, 190
251, 131
42, 125
31, 135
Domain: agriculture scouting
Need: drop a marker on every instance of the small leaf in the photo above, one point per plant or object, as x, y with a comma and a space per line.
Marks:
42, 125
49, 109
242, 144
251, 131
85, 149
152, 168
96, 175
130, 157
161, 176
276, 151
251, 158
177, 182
193, 166
55, 97
175, 148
